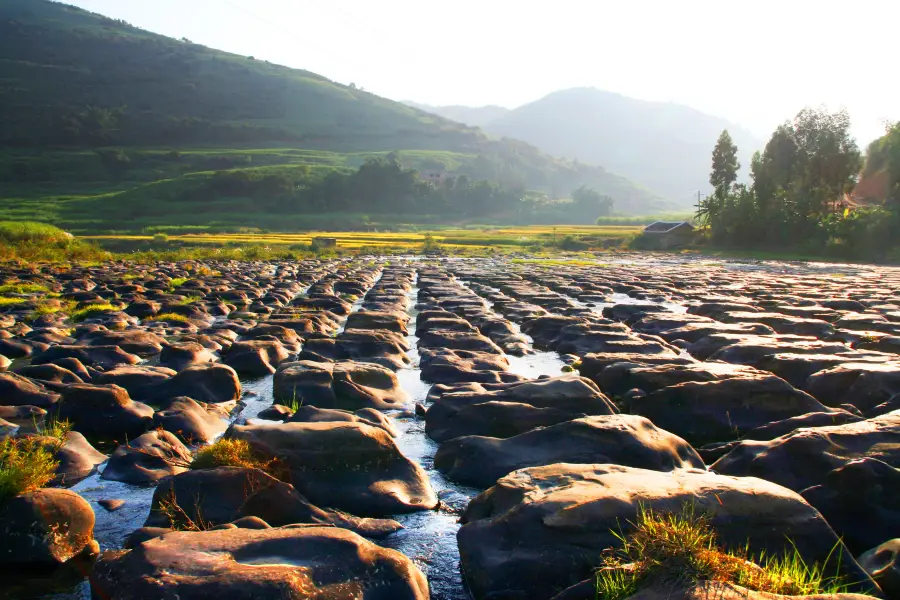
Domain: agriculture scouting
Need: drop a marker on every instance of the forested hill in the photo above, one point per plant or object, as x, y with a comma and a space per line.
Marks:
74, 79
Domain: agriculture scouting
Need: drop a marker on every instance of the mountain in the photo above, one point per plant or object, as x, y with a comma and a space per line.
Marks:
477, 116
72, 80
663, 146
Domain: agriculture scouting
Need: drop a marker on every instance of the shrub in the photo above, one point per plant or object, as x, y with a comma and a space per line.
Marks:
160, 238
25, 466
29, 231
92, 310
680, 549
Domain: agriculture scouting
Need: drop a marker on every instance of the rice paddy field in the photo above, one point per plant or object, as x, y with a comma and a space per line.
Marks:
500, 238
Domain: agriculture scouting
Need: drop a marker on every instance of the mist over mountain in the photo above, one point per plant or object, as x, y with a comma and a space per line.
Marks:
663, 146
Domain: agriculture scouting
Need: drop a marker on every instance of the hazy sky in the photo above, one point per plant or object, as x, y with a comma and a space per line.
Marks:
755, 62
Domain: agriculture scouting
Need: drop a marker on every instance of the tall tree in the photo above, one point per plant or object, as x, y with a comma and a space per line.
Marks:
725, 165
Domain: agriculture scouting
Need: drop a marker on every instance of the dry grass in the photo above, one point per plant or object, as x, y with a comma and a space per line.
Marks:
234, 453
25, 466
678, 550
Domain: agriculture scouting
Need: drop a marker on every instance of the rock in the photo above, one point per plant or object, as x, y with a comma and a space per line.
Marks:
183, 355
395, 321
16, 390
796, 369
45, 527
366, 416
276, 412
209, 382
134, 341
256, 358
560, 518
290, 562
805, 457
49, 372
618, 378
881, 563
625, 440
343, 385
139, 381
514, 408
718, 411
78, 459
453, 366
190, 420
814, 419
148, 458
593, 364
103, 411
111, 505
4, 363
28, 419
748, 349
385, 348
860, 501
348, 466
232, 493
105, 357
457, 340
865, 385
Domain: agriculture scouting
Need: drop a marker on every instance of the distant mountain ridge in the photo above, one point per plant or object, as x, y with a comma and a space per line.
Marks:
476, 116
663, 146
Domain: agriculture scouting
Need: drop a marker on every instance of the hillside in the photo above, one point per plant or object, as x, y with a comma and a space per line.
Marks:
476, 116
74, 81
662, 146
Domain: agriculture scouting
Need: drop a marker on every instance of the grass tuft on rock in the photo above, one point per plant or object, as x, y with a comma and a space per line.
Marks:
232, 453
22, 288
171, 317
680, 550
25, 466
92, 310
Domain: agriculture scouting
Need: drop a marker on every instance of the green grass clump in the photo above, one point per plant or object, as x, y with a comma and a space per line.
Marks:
22, 288
230, 453
169, 317
680, 550
25, 466
7, 302
46, 308
177, 282
92, 310
188, 300
13, 232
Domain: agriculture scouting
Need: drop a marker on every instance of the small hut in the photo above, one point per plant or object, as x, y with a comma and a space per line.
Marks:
665, 235
324, 242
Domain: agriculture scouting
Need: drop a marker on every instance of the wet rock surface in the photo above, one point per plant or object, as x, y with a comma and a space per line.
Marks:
783, 378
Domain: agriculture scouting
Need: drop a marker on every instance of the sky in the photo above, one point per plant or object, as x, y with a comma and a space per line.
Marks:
754, 62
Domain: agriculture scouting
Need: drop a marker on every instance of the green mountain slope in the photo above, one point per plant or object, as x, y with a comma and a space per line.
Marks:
665, 147
72, 81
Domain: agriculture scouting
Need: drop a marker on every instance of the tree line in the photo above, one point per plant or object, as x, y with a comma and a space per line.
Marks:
384, 185
799, 196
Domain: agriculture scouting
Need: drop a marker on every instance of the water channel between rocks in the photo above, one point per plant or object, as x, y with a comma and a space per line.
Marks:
428, 537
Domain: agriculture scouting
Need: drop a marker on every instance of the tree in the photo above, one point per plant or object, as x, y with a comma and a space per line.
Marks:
725, 165
591, 203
